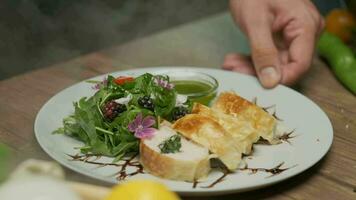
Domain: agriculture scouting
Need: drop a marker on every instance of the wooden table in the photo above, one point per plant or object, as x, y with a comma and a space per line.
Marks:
334, 177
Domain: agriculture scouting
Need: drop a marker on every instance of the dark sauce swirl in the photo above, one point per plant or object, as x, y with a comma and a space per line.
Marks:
122, 173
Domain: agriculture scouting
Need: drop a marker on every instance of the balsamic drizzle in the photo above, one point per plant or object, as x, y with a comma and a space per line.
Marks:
86, 159
287, 136
273, 171
121, 174
262, 141
220, 179
274, 114
195, 184
254, 100
267, 108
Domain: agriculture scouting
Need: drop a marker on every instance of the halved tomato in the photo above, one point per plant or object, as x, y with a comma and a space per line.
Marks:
123, 79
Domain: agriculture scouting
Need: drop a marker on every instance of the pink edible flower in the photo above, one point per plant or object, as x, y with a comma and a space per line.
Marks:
142, 126
163, 83
97, 86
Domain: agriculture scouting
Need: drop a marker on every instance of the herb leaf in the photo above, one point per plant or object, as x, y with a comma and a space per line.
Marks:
171, 145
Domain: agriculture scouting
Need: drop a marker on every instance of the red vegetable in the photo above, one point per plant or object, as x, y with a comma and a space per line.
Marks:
123, 79
340, 23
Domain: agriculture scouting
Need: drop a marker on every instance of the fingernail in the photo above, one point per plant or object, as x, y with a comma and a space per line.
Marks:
269, 77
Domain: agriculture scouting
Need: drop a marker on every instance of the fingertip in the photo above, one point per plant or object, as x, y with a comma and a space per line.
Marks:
233, 60
227, 66
238, 63
269, 76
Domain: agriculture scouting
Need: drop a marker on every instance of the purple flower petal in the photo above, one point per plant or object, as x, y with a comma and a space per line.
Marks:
96, 87
145, 133
170, 86
138, 120
163, 83
149, 132
132, 126
141, 128
148, 121
160, 81
105, 81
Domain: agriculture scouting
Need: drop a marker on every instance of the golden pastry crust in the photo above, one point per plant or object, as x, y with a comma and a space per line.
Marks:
230, 103
234, 105
241, 130
207, 132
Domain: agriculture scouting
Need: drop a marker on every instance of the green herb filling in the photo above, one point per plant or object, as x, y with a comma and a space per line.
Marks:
171, 145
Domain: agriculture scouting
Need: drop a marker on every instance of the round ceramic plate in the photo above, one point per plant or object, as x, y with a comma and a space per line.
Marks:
302, 148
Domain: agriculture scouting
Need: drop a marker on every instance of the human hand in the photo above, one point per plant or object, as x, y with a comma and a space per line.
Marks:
282, 36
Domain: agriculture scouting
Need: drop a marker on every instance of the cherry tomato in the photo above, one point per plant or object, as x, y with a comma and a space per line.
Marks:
340, 22
123, 79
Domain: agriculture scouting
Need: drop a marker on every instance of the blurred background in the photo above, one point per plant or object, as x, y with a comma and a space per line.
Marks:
39, 33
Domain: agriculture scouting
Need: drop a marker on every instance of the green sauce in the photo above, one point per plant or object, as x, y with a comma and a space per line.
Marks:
197, 91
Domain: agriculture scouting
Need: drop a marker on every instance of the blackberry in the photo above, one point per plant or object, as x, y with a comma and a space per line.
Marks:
179, 112
112, 109
146, 102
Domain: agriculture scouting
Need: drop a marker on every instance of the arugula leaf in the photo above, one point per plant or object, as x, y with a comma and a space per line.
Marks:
164, 99
142, 83
88, 118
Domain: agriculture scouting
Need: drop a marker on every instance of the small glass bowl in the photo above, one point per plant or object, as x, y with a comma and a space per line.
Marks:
198, 86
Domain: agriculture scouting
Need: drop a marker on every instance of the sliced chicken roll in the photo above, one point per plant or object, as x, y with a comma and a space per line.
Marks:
189, 163
209, 133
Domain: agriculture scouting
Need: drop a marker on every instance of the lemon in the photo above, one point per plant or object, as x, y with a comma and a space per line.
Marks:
141, 190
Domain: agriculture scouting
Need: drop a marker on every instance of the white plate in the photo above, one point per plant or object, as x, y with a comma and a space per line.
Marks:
313, 133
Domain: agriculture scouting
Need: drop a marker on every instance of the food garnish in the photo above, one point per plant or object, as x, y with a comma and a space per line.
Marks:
171, 145
123, 79
99, 84
164, 83
142, 127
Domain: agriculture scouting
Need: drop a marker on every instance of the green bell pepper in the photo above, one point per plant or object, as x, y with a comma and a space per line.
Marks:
340, 58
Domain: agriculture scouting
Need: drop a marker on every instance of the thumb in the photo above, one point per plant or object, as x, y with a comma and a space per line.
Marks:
264, 53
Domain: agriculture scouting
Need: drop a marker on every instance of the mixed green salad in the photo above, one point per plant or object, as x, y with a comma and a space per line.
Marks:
122, 111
